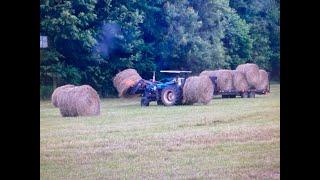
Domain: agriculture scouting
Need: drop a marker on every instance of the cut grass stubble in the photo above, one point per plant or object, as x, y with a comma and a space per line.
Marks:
229, 138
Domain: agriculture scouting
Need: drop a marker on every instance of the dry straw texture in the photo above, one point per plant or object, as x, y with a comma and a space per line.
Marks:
79, 101
239, 81
224, 78
124, 80
197, 89
57, 92
263, 80
251, 72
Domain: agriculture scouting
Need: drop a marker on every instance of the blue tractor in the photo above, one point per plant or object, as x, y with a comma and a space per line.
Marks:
167, 91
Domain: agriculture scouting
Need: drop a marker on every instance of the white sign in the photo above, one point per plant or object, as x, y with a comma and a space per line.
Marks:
43, 41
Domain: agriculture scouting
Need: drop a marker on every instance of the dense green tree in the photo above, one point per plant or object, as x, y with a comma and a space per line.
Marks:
67, 24
91, 40
237, 41
212, 14
264, 19
184, 45
274, 37
154, 27
194, 36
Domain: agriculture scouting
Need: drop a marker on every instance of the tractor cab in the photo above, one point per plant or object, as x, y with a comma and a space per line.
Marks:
179, 76
167, 91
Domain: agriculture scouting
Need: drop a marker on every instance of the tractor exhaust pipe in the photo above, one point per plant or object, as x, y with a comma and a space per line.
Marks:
154, 76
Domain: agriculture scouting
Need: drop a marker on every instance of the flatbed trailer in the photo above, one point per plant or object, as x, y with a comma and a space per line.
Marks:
244, 94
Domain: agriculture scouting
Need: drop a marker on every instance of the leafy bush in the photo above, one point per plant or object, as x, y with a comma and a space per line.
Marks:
45, 92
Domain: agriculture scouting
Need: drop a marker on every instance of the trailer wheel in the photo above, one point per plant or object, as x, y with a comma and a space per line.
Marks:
225, 96
244, 95
252, 94
144, 102
170, 96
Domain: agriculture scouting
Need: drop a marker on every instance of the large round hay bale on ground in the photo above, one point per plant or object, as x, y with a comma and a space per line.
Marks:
79, 101
251, 72
224, 78
197, 89
57, 92
124, 80
263, 80
239, 81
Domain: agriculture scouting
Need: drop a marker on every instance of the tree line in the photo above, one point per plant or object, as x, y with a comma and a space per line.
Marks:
91, 40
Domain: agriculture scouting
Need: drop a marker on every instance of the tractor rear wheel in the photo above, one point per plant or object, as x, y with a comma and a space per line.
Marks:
170, 96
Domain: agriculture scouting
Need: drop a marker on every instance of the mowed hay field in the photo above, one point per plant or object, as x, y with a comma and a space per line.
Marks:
226, 139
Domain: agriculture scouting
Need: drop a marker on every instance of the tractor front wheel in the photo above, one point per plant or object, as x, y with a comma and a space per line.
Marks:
159, 102
144, 102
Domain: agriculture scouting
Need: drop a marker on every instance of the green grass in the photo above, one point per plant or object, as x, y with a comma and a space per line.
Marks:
227, 139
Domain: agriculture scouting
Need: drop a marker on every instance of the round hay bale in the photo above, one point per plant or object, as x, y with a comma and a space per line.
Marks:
251, 72
67, 106
57, 92
239, 81
197, 89
224, 78
79, 101
263, 80
124, 80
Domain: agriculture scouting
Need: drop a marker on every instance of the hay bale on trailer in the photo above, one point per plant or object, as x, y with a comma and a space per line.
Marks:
251, 72
208, 73
239, 81
197, 89
224, 78
124, 80
57, 92
263, 80
79, 101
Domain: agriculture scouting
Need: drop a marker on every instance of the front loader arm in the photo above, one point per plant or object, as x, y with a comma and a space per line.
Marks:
138, 88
